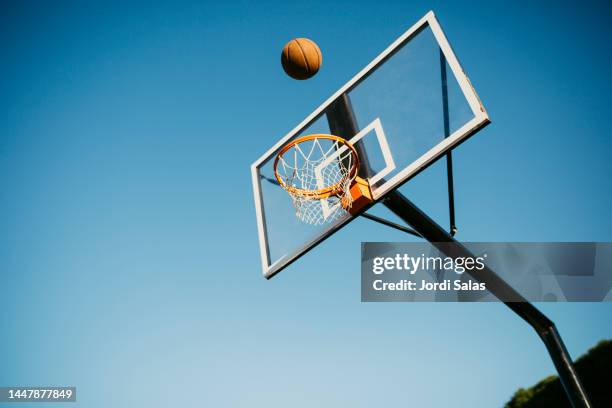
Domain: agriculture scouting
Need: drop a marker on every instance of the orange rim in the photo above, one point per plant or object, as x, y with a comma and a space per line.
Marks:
326, 192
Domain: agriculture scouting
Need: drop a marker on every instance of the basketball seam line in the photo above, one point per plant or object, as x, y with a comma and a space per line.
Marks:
303, 55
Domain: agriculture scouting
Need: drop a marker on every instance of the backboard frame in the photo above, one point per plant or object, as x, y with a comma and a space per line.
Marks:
480, 119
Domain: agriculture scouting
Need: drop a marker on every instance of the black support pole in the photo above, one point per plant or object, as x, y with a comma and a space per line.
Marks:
449, 155
342, 122
434, 233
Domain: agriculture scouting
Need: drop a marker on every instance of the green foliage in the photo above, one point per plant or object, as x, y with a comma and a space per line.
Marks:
594, 370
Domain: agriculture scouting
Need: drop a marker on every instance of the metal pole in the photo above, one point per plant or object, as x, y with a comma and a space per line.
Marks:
390, 224
342, 122
449, 155
431, 231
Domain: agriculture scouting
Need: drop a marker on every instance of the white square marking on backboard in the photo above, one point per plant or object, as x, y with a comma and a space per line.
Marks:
384, 148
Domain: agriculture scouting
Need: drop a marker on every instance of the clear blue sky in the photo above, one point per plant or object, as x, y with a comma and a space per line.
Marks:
129, 265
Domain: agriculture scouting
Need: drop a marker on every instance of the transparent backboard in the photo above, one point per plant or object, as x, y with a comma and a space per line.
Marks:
407, 108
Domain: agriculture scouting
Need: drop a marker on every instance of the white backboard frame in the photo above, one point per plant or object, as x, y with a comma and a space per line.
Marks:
480, 119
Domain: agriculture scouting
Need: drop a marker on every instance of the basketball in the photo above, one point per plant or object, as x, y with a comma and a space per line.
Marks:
301, 58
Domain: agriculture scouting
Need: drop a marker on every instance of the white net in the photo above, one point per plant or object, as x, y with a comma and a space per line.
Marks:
313, 166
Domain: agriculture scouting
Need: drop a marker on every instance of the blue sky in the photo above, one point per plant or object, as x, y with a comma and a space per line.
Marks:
129, 265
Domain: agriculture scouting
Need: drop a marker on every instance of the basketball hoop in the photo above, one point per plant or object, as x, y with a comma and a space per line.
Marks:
318, 171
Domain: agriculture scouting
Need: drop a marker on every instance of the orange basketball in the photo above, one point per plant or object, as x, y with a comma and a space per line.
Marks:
301, 58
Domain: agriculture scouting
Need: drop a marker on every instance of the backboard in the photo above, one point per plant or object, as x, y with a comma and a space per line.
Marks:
403, 111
